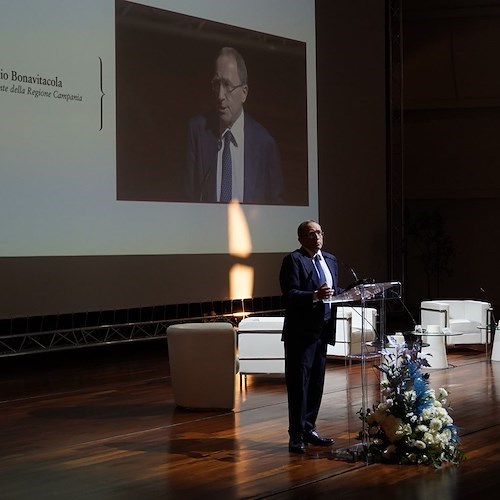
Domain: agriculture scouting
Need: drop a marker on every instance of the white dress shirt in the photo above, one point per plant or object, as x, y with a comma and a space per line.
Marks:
326, 270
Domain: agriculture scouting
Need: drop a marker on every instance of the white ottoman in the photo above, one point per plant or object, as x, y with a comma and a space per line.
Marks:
203, 364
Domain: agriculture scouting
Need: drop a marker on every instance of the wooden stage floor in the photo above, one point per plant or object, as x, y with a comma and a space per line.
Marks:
101, 423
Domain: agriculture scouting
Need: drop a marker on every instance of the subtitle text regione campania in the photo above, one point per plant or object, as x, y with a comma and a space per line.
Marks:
19, 80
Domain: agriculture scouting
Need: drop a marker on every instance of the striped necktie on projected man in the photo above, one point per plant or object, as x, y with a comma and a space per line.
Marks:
226, 191
322, 279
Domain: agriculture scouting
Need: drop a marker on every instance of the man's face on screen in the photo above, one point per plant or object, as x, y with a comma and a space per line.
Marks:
230, 93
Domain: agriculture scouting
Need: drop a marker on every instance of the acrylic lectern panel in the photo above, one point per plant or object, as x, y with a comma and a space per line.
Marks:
362, 293
369, 291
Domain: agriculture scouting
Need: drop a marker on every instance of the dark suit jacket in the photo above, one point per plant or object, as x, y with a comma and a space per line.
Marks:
298, 280
263, 177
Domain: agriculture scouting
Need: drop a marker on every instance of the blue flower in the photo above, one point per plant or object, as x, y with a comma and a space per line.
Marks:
412, 425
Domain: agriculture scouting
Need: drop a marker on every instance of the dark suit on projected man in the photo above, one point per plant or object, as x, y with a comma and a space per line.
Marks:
229, 155
307, 276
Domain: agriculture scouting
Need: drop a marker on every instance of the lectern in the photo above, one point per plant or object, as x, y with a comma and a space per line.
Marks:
360, 294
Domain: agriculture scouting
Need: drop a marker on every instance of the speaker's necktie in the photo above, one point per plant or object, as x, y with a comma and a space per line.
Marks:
226, 192
322, 279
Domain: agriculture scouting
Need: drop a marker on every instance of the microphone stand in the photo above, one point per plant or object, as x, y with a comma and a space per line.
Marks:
491, 324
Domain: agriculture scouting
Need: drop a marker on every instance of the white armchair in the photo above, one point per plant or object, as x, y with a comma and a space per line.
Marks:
462, 317
348, 340
260, 348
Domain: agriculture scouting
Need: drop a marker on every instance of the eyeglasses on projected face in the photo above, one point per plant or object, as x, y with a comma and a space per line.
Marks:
228, 87
314, 234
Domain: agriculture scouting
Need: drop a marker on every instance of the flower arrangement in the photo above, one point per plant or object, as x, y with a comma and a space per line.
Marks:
412, 424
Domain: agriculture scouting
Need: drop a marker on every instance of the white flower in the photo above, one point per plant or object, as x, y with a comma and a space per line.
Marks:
406, 429
435, 424
387, 392
382, 407
429, 429
420, 444
410, 396
444, 437
442, 393
427, 413
428, 438
441, 413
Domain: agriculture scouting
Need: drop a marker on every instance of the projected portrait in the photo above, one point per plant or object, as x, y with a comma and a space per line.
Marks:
208, 112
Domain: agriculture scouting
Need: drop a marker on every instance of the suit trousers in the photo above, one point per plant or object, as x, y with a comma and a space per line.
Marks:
305, 363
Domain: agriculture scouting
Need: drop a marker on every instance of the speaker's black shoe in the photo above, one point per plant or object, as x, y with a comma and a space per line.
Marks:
316, 440
296, 445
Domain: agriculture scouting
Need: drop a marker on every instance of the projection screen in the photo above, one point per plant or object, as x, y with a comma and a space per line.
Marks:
96, 96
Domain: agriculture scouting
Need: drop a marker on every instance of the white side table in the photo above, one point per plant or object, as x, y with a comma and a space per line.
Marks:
436, 348
495, 351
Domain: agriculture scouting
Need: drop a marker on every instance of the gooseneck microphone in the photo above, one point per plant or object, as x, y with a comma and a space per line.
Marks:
353, 274
351, 270
357, 281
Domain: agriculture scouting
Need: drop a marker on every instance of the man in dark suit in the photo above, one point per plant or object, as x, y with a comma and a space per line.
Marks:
307, 277
230, 156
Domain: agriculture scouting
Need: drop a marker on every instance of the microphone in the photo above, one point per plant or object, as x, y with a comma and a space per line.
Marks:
351, 270
357, 281
485, 296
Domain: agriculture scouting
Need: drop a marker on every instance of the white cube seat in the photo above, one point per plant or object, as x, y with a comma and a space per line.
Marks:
203, 365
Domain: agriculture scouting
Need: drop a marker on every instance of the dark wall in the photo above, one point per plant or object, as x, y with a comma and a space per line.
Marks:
451, 124
352, 131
